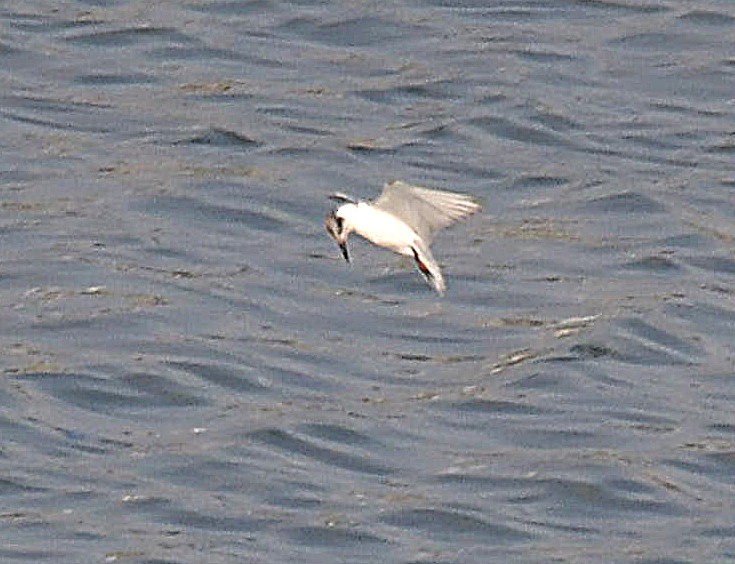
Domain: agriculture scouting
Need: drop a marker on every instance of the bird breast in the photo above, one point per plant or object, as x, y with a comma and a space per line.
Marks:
381, 228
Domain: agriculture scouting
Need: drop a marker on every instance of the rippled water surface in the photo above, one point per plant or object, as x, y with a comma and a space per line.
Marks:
191, 373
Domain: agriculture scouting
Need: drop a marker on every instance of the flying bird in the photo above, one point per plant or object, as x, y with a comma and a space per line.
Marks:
404, 219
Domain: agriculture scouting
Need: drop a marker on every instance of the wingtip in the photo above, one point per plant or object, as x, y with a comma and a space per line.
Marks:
342, 198
477, 207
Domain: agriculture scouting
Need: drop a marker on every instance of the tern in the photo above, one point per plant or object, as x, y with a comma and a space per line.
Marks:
404, 219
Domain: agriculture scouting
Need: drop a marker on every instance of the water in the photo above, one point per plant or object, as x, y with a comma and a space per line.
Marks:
191, 373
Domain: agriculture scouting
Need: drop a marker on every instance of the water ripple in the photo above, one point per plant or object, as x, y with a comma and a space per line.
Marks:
331, 456
190, 366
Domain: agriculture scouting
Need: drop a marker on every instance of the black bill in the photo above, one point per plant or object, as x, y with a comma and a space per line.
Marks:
343, 248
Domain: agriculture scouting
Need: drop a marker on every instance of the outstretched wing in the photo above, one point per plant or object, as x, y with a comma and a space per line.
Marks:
426, 211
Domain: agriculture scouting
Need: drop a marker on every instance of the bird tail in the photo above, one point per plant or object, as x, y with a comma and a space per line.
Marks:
429, 268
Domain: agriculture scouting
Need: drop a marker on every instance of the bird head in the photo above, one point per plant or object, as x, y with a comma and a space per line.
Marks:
336, 227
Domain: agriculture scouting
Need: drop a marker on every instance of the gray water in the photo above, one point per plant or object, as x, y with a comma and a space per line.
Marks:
190, 371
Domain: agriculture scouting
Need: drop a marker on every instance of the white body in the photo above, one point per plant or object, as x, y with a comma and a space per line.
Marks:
379, 227
403, 219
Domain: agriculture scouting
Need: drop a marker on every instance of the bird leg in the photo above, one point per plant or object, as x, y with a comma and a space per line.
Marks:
422, 267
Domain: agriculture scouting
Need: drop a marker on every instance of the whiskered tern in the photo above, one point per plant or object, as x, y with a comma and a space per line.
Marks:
404, 219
